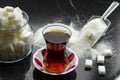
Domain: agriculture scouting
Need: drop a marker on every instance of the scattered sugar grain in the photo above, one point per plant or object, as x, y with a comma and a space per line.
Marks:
89, 53
103, 45
38, 39
79, 46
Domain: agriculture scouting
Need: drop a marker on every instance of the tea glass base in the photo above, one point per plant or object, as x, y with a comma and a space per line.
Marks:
56, 72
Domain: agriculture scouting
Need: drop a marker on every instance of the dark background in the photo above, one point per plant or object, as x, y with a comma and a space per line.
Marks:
42, 12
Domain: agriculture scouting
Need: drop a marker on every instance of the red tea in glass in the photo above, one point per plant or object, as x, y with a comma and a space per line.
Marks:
56, 38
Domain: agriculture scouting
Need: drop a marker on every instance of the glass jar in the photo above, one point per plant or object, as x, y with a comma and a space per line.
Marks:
16, 44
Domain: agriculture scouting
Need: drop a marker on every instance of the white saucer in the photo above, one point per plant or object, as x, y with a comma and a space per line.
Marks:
38, 61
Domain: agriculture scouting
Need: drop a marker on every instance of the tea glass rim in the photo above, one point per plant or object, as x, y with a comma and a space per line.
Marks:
57, 24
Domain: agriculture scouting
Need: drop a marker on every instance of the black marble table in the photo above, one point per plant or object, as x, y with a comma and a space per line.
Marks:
42, 12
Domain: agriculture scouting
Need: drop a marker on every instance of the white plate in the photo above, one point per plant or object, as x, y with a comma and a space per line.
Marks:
38, 61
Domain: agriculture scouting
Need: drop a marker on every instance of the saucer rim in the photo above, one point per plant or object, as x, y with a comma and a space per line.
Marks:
65, 72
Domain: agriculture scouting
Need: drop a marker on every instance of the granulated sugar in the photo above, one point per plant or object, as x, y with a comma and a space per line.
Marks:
91, 32
74, 43
104, 48
38, 39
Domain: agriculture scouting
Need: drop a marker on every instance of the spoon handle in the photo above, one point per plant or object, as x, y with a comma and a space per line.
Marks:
111, 8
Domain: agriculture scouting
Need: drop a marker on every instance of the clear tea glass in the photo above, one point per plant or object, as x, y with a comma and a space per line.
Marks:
56, 37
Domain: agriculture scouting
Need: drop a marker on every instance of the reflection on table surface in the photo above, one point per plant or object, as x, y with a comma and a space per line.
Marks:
15, 71
37, 75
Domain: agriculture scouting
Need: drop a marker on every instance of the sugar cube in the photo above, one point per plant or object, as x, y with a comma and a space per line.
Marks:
100, 59
17, 9
107, 52
10, 27
1, 9
18, 23
9, 8
19, 48
11, 16
101, 70
3, 21
6, 52
4, 13
11, 52
89, 34
18, 12
88, 64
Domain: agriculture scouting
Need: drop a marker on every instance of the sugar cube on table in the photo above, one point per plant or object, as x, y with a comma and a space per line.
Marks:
101, 70
107, 52
100, 59
88, 64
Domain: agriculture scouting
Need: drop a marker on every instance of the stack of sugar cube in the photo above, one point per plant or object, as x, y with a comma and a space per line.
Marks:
17, 43
11, 18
